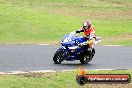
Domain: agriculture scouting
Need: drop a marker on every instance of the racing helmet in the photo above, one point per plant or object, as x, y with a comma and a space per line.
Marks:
86, 25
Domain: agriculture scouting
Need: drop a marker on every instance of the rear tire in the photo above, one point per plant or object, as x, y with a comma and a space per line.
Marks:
93, 52
86, 58
58, 56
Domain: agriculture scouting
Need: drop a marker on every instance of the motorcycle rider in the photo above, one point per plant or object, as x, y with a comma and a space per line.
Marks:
89, 30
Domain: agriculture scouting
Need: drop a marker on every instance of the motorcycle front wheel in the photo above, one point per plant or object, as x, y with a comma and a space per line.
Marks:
58, 56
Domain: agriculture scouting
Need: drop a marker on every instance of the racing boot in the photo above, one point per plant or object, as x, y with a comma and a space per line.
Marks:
89, 50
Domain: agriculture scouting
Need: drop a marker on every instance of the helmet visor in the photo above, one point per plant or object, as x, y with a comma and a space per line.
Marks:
85, 27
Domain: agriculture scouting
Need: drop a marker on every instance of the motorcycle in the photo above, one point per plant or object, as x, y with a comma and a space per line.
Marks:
73, 48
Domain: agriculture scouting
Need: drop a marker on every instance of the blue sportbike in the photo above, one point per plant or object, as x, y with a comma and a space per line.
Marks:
71, 50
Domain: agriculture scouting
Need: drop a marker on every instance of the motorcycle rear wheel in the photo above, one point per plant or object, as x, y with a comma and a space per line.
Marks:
86, 58
58, 56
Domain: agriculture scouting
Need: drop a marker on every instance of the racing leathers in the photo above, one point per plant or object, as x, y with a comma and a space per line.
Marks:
90, 37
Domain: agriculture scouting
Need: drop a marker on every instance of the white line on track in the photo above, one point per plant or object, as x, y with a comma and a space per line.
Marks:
43, 44
45, 71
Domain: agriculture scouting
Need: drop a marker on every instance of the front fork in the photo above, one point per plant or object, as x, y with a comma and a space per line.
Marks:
67, 51
66, 47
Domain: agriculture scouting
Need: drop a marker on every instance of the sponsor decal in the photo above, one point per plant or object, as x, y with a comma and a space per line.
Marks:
83, 78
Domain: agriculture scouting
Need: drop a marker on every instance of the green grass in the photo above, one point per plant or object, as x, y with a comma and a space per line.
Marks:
27, 25
54, 80
46, 21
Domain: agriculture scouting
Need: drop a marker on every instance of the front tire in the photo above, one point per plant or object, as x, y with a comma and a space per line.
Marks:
58, 56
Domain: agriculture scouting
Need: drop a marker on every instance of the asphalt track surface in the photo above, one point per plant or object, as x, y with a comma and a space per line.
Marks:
39, 57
